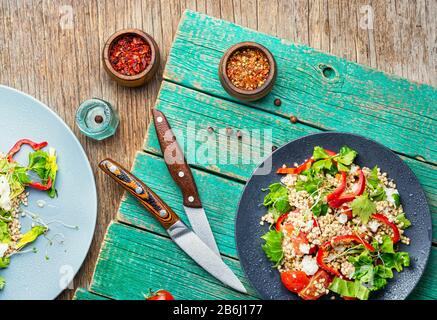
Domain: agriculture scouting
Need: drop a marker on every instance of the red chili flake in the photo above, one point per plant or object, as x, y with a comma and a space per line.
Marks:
130, 55
248, 69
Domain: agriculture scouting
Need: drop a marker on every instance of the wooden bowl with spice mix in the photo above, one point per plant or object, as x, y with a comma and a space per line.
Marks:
131, 57
248, 71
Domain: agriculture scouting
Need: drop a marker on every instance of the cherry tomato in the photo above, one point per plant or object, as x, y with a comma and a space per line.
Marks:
295, 281
160, 295
311, 292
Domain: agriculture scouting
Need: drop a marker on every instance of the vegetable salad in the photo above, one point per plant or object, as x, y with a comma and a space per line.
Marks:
334, 227
39, 173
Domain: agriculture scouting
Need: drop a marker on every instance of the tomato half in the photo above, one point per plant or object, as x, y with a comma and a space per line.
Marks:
310, 292
295, 281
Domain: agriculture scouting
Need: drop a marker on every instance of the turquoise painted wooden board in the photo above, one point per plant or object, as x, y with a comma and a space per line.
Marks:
138, 255
83, 294
400, 114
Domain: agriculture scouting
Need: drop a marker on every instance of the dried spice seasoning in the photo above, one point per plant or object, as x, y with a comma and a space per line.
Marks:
248, 69
130, 55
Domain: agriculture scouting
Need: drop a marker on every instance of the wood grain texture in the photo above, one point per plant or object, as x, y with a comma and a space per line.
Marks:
143, 259
132, 256
62, 67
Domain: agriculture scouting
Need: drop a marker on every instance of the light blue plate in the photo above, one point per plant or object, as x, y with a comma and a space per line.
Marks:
31, 275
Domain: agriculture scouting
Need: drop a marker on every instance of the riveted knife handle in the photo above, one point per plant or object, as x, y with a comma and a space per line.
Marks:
139, 190
174, 159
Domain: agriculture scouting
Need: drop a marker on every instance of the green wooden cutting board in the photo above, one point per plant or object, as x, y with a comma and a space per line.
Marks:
324, 92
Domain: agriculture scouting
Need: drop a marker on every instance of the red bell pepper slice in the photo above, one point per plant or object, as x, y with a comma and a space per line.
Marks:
396, 234
345, 238
339, 190
330, 152
352, 238
305, 166
337, 202
278, 225
40, 186
17, 146
347, 211
319, 259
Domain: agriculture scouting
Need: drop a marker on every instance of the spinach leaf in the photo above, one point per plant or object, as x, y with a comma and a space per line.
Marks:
273, 246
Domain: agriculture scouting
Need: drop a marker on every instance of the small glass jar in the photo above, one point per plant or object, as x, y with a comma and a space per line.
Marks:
97, 119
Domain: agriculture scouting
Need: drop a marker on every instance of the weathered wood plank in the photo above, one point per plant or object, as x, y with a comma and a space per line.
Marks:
356, 99
184, 106
219, 197
144, 261
84, 294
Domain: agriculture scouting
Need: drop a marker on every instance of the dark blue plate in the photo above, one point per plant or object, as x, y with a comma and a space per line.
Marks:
260, 272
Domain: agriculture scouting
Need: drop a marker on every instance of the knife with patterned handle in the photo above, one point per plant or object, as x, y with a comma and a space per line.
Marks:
186, 239
181, 173
139, 190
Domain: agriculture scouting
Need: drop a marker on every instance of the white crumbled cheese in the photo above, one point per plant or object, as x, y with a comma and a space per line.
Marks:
373, 225
342, 218
390, 192
5, 194
309, 225
304, 248
309, 265
3, 248
353, 169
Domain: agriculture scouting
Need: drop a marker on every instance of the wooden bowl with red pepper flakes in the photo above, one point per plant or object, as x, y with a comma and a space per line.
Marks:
247, 71
131, 57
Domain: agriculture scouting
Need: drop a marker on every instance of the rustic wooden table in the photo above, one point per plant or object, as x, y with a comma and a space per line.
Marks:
52, 50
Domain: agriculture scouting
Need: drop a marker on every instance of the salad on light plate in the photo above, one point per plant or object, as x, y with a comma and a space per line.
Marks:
15, 179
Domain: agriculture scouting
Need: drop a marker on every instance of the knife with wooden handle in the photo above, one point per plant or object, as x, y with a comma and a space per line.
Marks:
186, 239
181, 173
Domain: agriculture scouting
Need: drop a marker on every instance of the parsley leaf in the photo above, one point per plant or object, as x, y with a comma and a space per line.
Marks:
273, 246
403, 219
345, 158
308, 183
377, 192
319, 153
397, 199
322, 164
363, 207
320, 209
277, 198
